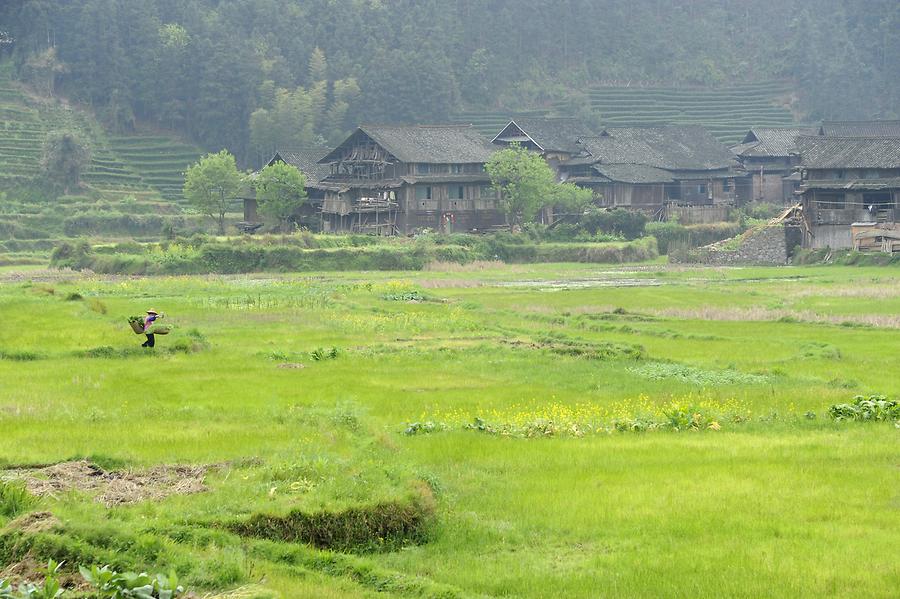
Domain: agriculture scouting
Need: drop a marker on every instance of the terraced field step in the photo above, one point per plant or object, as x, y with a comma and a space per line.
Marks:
160, 161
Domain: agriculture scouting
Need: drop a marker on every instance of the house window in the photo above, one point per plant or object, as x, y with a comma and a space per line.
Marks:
673, 191
701, 189
726, 185
423, 169
457, 192
486, 192
423, 192
456, 169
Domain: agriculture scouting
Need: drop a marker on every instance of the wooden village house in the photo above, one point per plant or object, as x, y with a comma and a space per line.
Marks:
769, 156
307, 162
675, 170
555, 138
388, 179
850, 192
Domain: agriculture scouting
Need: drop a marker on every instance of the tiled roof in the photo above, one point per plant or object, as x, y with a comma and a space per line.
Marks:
771, 141
819, 152
861, 128
306, 161
673, 147
560, 134
431, 144
633, 173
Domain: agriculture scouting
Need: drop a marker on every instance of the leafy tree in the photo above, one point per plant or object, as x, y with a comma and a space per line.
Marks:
571, 198
280, 191
211, 184
524, 180
65, 156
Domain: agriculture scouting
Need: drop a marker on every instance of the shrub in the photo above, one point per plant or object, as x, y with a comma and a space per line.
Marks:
625, 223
874, 408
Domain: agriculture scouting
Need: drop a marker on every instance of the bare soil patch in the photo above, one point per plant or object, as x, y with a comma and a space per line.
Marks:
111, 487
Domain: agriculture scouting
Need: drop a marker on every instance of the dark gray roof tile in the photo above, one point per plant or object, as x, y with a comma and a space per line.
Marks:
820, 152
553, 134
861, 128
431, 144
672, 147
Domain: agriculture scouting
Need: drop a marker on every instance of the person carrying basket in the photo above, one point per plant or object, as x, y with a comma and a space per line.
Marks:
152, 315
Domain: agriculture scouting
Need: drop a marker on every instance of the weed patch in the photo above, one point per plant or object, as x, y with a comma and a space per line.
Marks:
15, 499
384, 526
20, 356
658, 371
584, 349
819, 350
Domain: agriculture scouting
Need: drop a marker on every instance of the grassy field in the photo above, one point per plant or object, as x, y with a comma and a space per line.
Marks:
493, 430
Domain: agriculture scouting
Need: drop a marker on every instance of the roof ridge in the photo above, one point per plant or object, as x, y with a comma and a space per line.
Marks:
865, 137
420, 125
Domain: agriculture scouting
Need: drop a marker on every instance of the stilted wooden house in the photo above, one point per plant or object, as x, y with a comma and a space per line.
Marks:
653, 168
850, 191
769, 156
555, 138
389, 179
307, 162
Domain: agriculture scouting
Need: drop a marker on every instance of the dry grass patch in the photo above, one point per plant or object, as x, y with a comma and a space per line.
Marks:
764, 314
113, 487
475, 266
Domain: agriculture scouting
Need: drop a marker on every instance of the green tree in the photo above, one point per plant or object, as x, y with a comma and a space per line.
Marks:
211, 184
525, 182
65, 156
571, 198
280, 191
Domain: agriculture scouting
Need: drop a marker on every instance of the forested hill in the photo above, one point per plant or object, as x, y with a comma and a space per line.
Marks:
252, 74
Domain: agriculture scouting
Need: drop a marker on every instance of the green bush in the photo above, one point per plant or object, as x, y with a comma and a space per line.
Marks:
392, 254
874, 408
625, 223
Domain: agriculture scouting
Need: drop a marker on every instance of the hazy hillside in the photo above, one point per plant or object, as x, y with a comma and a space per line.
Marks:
254, 75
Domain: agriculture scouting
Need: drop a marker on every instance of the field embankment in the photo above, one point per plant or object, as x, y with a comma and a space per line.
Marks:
306, 253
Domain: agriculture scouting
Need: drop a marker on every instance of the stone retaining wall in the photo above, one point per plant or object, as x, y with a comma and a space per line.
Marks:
767, 245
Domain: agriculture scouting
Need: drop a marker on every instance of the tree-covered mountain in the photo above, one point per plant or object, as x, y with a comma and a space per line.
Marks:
252, 74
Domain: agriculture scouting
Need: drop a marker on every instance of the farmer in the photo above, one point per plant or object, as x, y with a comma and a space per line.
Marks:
148, 322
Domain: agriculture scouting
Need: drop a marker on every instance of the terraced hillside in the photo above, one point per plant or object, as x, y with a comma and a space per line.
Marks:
161, 161
24, 124
144, 167
727, 112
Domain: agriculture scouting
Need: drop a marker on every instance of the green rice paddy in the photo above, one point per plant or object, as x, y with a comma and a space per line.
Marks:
520, 431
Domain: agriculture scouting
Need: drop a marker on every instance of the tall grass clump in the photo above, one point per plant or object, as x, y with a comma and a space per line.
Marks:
15, 499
